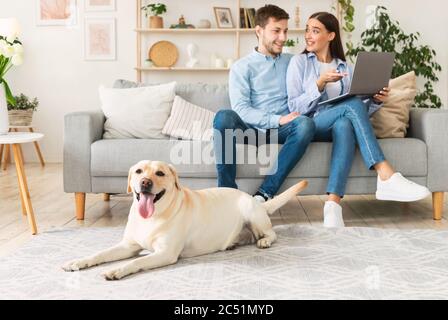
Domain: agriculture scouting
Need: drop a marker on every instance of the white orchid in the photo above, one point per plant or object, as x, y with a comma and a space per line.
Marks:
8, 51
11, 38
17, 59
11, 52
18, 48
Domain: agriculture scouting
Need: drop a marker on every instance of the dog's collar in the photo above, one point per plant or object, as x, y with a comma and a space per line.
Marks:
157, 197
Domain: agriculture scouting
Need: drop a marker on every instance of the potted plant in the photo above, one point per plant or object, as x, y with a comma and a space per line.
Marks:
21, 113
148, 63
386, 35
11, 54
289, 45
153, 10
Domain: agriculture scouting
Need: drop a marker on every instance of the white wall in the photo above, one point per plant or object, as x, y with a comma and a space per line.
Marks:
56, 73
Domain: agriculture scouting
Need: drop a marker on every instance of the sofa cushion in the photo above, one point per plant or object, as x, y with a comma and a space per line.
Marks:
210, 96
114, 158
189, 122
392, 119
136, 112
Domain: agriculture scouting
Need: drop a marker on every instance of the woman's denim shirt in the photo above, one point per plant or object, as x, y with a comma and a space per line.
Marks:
303, 93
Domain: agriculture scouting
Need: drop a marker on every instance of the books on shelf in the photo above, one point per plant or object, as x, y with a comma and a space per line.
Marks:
247, 18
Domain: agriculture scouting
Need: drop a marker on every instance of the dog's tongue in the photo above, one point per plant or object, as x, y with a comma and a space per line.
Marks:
146, 205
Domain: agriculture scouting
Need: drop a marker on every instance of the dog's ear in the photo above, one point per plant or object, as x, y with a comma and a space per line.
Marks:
129, 179
176, 178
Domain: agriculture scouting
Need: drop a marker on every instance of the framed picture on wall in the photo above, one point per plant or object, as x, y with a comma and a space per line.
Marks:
99, 39
100, 5
223, 17
56, 12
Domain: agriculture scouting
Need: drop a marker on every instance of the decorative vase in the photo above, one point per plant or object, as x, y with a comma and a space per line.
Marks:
204, 24
4, 121
20, 117
219, 63
148, 64
287, 50
155, 22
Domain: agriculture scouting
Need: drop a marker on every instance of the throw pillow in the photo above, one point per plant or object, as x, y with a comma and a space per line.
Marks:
392, 119
136, 112
188, 121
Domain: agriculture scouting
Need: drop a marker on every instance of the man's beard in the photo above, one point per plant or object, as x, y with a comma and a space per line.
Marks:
270, 48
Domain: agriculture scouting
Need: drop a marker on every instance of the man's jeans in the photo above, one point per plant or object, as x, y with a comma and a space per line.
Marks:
295, 137
345, 124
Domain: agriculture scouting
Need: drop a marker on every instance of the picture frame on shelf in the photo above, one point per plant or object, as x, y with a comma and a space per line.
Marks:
99, 5
56, 12
99, 38
223, 18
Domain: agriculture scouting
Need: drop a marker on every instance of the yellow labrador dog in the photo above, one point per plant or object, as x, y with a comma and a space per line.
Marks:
172, 221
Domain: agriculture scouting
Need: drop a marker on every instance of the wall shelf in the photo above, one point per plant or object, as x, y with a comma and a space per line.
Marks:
143, 32
180, 69
214, 30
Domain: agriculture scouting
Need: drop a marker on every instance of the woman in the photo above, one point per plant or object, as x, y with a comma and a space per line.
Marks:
321, 73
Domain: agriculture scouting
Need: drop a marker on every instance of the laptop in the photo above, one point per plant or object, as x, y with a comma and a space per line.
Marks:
371, 74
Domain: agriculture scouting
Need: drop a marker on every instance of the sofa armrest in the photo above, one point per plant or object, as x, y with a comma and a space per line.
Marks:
431, 126
81, 129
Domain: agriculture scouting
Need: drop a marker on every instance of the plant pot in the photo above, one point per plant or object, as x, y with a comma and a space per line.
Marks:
155, 22
4, 121
288, 50
20, 117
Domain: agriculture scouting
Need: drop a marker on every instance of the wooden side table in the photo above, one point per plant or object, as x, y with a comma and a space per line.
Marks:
5, 148
15, 139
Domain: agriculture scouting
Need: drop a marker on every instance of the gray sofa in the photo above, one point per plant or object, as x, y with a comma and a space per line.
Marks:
95, 165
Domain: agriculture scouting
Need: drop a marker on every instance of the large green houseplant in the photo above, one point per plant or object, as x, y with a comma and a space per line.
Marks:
386, 35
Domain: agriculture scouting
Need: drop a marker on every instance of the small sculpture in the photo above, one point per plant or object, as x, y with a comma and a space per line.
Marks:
182, 24
192, 51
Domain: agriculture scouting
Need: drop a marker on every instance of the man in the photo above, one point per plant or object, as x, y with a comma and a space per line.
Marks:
259, 102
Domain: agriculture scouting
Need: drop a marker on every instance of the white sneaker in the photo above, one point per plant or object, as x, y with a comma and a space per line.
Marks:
259, 199
398, 188
333, 215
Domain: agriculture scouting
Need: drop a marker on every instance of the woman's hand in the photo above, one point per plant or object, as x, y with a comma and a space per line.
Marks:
330, 76
288, 118
381, 96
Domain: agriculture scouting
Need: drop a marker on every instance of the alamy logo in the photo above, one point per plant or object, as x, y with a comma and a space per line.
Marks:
210, 146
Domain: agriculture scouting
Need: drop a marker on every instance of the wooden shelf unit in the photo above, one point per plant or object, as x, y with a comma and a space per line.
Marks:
141, 32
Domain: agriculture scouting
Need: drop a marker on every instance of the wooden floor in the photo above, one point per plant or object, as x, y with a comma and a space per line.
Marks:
55, 209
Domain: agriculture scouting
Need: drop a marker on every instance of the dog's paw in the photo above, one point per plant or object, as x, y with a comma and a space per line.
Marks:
264, 243
115, 274
75, 265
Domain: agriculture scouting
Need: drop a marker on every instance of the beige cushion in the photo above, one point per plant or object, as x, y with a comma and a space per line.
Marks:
189, 122
392, 120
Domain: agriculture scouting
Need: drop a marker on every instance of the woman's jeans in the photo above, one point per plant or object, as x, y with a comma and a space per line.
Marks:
295, 137
347, 123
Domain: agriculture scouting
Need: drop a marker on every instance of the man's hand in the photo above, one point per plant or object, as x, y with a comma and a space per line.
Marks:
288, 118
330, 76
381, 96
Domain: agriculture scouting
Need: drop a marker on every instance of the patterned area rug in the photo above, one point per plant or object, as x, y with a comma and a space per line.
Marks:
305, 263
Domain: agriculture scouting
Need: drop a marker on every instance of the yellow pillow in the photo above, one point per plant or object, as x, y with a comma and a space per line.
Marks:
392, 119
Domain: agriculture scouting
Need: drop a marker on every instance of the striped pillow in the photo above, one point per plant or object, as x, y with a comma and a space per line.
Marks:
189, 122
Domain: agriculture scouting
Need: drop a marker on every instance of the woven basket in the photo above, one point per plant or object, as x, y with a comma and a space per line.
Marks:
20, 117
163, 54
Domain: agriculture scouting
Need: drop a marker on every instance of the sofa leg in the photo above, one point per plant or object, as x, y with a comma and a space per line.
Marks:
106, 197
437, 205
80, 199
